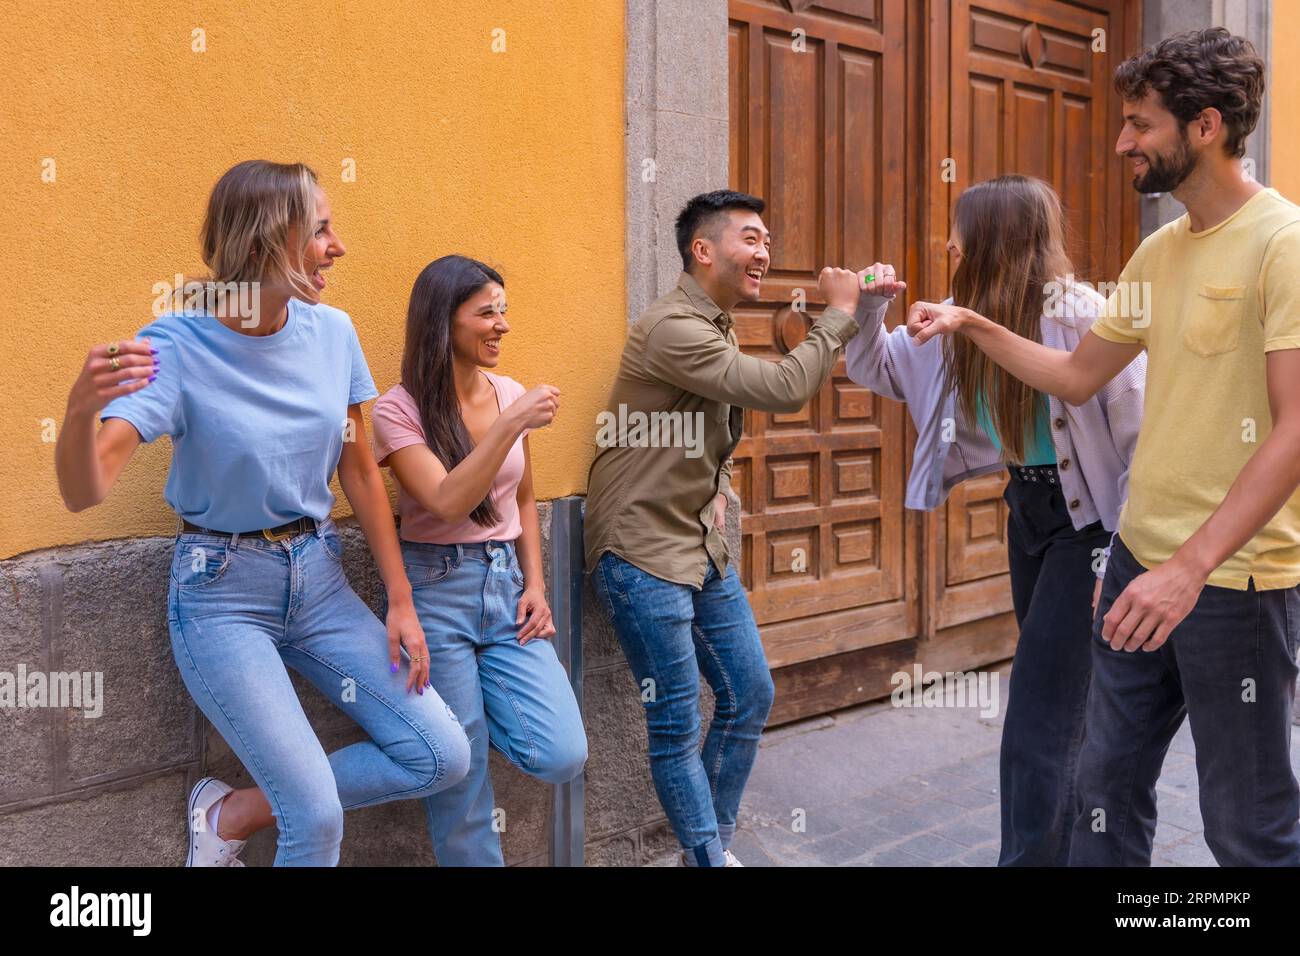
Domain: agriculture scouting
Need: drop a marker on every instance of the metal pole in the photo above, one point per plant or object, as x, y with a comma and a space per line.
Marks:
568, 829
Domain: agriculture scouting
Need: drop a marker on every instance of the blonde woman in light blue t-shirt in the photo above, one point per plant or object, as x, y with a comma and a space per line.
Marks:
260, 386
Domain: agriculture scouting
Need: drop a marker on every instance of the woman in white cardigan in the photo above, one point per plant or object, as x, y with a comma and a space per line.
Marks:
1068, 468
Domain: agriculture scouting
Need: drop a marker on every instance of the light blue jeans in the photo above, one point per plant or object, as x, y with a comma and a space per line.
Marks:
242, 608
515, 697
670, 634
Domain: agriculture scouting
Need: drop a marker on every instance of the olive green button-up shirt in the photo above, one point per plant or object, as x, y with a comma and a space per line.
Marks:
675, 414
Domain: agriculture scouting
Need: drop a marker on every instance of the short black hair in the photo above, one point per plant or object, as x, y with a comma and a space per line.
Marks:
1197, 70
702, 209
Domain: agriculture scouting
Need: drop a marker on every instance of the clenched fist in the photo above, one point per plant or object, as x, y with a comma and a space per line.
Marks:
536, 408
840, 288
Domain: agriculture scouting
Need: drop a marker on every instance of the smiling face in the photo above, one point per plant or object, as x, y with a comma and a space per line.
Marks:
739, 253
1156, 143
322, 249
478, 326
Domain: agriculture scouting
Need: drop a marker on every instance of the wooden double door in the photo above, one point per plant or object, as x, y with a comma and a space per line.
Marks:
860, 122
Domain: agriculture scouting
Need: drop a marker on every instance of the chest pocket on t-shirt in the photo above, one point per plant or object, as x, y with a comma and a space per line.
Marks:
1212, 325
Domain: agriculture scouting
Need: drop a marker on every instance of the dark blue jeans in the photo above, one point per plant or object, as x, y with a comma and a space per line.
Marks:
1051, 589
670, 634
1229, 667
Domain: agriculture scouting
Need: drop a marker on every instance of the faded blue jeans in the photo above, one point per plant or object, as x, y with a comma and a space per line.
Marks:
517, 697
241, 610
671, 633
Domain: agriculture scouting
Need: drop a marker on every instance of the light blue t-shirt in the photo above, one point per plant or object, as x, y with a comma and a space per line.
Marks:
257, 422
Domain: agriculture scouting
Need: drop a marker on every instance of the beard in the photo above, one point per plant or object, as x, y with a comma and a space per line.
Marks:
736, 278
1166, 173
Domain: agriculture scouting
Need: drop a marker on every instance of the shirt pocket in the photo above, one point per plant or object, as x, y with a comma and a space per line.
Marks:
1213, 322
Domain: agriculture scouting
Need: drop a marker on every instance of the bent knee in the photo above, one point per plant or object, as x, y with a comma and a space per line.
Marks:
451, 760
319, 822
439, 753
753, 698
562, 762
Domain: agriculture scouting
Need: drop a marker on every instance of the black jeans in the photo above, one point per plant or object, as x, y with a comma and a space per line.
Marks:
1052, 581
1230, 668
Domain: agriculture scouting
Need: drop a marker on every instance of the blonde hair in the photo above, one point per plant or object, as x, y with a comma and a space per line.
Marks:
245, 236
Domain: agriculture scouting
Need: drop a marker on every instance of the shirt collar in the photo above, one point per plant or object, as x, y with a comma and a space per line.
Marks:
700, 299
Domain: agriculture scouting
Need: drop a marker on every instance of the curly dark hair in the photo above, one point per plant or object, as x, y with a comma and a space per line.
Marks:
1197, 70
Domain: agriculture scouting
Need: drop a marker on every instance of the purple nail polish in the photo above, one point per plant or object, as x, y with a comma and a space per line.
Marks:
153, 351
392, 668
421, 691
152, 377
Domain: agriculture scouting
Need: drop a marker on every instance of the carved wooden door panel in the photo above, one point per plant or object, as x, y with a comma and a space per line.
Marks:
813, 85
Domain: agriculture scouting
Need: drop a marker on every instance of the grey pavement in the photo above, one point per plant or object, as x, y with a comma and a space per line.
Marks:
879, 785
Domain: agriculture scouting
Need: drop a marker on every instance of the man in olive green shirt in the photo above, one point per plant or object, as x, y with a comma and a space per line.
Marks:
656, 501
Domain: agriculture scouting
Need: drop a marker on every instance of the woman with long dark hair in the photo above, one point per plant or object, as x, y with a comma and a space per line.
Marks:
455, 436
261, 392
1068, 468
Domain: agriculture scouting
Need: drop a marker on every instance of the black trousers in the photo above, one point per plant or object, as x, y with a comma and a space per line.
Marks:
1229, 668
1052, 581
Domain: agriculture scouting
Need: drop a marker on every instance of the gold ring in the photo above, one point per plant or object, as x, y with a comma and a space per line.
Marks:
114, 364
113, 348
416, 660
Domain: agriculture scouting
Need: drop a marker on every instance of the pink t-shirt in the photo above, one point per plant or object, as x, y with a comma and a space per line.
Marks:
396, 423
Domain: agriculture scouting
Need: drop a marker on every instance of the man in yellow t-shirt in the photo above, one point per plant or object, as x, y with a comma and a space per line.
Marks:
1204, 574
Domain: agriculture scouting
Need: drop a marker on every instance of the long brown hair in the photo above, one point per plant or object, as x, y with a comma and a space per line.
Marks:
428, 372
1012, 235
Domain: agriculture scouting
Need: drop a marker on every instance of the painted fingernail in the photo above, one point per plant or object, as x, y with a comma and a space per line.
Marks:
152, 377
153, 351
421, 692
392, 668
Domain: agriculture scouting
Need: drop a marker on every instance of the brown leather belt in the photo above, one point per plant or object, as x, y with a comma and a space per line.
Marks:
278, 533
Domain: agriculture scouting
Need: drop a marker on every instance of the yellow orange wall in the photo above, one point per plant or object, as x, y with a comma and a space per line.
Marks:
514, 157
1284, 158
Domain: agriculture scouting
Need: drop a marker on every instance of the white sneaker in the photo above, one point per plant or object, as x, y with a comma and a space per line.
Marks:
731, 859
206, 847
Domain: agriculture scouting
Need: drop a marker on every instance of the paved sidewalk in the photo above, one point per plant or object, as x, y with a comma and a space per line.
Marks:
883, 786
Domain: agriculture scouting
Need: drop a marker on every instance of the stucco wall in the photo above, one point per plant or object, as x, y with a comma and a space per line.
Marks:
1284, 90
515, 157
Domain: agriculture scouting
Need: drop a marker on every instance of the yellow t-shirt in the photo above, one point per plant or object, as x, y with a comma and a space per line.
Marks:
1207, 306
